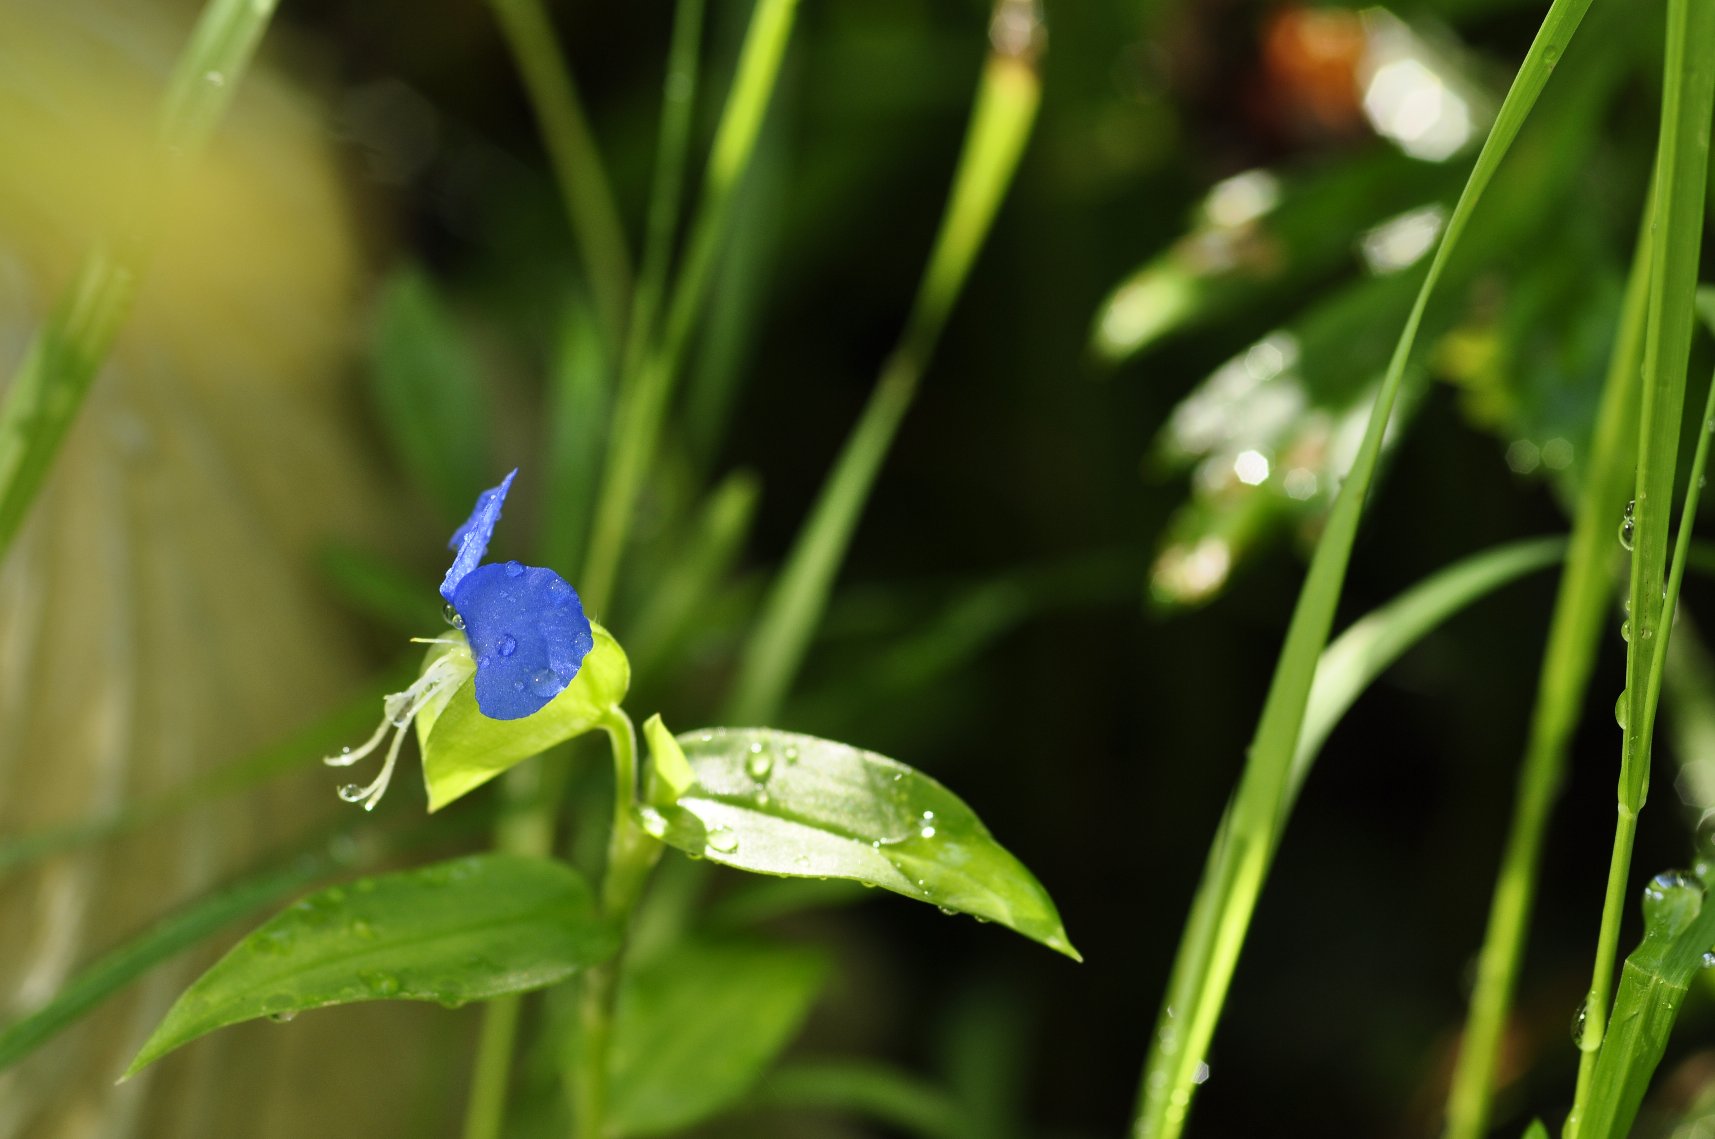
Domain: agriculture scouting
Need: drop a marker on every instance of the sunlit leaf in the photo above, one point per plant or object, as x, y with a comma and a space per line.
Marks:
463, 749
779, 803
696, 1028
457, 931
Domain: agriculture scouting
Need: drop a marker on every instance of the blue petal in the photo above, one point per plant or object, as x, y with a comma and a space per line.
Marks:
528, 633
471, 539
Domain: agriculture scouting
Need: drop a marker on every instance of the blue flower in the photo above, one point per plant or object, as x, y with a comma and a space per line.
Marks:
526, 626
525, 636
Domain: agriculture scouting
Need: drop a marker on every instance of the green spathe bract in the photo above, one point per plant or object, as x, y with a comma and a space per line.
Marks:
695, 1028
463, 749
780, 803
456, 931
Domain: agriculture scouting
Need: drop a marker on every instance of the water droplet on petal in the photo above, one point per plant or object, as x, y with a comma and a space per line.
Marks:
513, 569
452, 616
508, 645
791, 754
722, 840
759, 764
352, 792
545, 683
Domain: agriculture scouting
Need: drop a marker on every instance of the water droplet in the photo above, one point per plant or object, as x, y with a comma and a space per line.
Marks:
722, 840
1627, 526
546, 684
1707, 961
1580, 1018
452, 616
508, 645
1626, 630
927, 832
928, 816
791, 754
759, 764
214, 79
948, 910
345, 751
352, 792
380, 984
513, 569
283, 1017
1620, 710
1671, 902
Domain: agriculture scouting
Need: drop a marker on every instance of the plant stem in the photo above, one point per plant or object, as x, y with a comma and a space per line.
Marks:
647, 387
1579, 611
632, 854
1681, 173
1004, 110
50, 384
578, 167
678, 97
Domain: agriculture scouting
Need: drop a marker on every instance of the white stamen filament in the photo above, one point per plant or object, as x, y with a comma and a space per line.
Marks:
398, 710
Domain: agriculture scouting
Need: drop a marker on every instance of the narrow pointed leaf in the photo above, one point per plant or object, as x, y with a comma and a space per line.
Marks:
457, 931
463, 749
778, 803
695, 1029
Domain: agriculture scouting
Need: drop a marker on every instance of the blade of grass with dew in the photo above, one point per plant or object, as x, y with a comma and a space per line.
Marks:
646, 390
1569, 654
1239, 861
1688, 98
1004, 111
578, 168
50, 383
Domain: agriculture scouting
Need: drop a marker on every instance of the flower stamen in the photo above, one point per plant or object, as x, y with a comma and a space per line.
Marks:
398, 710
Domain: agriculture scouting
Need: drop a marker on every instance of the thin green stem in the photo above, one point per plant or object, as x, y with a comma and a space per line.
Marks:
647, 389
50, 384
578, 168
678, 98
1004, 110
1580, 608
1241, 856
1681, 173
632, 854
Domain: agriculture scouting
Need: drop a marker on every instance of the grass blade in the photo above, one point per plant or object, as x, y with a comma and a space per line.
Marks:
49, 386
1580, 608
1000, 124
1240, 861
1676, 230
647, 389
572, 149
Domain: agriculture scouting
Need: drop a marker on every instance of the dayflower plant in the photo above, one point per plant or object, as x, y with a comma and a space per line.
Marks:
521, 629
523, 671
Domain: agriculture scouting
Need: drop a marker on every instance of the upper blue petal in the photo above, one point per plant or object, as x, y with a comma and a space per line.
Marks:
528, 633
471, 539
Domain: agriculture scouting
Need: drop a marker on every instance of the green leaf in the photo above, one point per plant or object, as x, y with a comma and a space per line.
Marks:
779, 803
463, 749
1536, 1130
429, 393
671, 769
457, 931
697, 1027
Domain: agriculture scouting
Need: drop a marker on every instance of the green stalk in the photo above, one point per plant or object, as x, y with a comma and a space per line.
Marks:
1688, 97
1004, 111
632, 854
678, 97
1580, 609
50, 384
1241, 856
1655, 978
647, 388
578, 168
